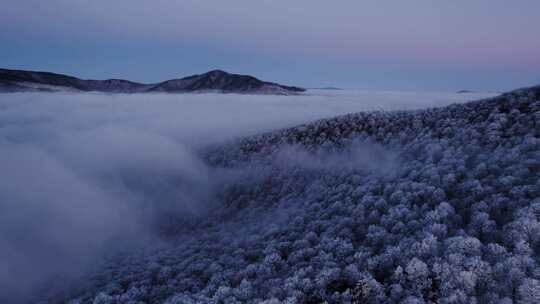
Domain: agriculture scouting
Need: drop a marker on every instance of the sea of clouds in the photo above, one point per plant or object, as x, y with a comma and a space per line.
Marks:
82, 174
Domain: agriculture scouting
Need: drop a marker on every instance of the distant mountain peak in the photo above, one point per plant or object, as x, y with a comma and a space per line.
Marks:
211, 81
217, 72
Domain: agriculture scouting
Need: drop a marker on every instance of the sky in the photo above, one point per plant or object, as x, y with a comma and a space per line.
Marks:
371, 44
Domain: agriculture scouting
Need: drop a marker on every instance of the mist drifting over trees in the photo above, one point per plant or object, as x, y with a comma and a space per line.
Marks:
419, 206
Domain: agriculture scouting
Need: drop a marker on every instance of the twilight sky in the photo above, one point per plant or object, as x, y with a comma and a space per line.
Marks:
370, 44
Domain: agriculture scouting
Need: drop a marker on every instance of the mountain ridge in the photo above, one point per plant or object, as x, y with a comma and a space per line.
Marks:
212, 81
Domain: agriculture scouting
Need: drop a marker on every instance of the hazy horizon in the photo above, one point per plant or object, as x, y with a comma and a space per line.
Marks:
316, 90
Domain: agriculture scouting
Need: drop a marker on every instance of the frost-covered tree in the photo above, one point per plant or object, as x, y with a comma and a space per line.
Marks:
299, 217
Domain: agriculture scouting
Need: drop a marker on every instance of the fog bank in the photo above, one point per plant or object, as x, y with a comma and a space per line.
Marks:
81, 171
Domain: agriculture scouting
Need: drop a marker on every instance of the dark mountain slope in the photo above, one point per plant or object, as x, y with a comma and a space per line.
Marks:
219, 81
22, 79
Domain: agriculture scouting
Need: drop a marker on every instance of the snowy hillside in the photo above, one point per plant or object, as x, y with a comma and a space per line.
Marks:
424, 206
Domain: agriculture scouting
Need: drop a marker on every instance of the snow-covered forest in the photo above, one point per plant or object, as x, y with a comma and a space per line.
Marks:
437, 205
422, 206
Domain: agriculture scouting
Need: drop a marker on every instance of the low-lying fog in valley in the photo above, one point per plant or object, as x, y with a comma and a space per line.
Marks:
79, 172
